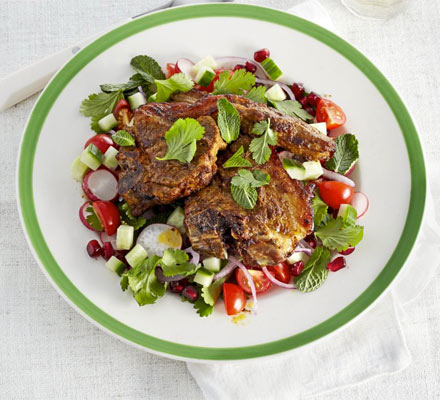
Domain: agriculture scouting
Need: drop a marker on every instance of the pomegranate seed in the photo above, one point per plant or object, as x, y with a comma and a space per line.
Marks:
298, 90
303, 101
107, 250
178, 286
250, 67
348, 251
312, 99
93, 248
336, 264
190, 293
310, 240
239, 66
297, 268
261, 55
310, 110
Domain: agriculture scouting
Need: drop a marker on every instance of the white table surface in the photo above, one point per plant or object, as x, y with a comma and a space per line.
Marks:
48, 351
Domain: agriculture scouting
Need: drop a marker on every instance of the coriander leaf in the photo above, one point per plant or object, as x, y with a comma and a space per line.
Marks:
143, 282
292, 108
228, 120
349, 216
165, 88
259, 147
203, 309
315, 271
243, 187
95, 125
123, 138
147, 67
128, 218
257, 94
260, 127
238, 83
181, 140
100, 104
337, 237
346, 154
237, 160
175, 262
244, 196
210, 294
319, 209
93, 219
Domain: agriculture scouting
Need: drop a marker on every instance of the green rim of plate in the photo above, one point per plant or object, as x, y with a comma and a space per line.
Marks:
60, 280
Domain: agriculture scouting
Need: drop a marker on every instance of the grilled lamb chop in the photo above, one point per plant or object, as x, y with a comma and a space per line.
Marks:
145, 181
266, 235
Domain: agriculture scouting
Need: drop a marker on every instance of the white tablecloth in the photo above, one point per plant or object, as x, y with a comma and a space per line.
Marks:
48, 351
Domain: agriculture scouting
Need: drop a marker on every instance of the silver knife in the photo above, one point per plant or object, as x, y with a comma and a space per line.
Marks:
33, 78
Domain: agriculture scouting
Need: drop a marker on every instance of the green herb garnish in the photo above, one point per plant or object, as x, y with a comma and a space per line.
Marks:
292, 108
123, 138
244, 187
228, 120
259, 147
346, 154
238, 83
315, 271
237, 160
165, 88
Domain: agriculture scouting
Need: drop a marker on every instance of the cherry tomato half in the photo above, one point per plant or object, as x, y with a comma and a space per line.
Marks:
102, 141
120, 105
261, 281
330, 113
335, 193
172, 69
281, 272
108, 215
234, 297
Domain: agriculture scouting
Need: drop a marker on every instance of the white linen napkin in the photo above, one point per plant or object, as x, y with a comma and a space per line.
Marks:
372, 345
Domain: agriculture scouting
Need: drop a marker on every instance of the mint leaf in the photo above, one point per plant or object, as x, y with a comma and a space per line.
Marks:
93, 219
243, 187
165, 88
143, 282
123, 138
181, 140
203, 309
259, 147
346, 154
99, 105
175, 262
257, 94
210, 294
135, 81
292, 108
315, 271
319, 209
237, 160
238, 83
228, 120
336, 236
128, 218
244, 196
147, 67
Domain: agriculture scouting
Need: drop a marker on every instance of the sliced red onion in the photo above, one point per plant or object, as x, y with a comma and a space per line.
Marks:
361, 203
227, 269
276, 281
83, 216
334, 176
195, 256
299, 249
112, 131
305, 245
142, 91
285, 87
231, 62
162, 278
250, 282
285, 154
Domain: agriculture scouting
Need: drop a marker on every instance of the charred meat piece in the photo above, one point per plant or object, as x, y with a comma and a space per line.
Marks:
266, 235
145, 181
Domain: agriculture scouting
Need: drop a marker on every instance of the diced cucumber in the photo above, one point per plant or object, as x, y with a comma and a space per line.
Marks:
275, 93
321, 126
348, 214
204, 76
124, 237
177, 218
92, 157
136, 256
298, 256
108, 122
212, 264
208, 61
78, 169
116, 265
313, 170
109, 159
136, 100
271, 69
204, 277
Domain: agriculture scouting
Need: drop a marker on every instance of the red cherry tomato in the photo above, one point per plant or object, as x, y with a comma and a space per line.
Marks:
261, 281
120, 105
330, 113
335, 193
234, 297
172, 69
108, 215
281, 272
102, 141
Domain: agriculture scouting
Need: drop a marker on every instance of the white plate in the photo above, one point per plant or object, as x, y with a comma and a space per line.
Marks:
391, 171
